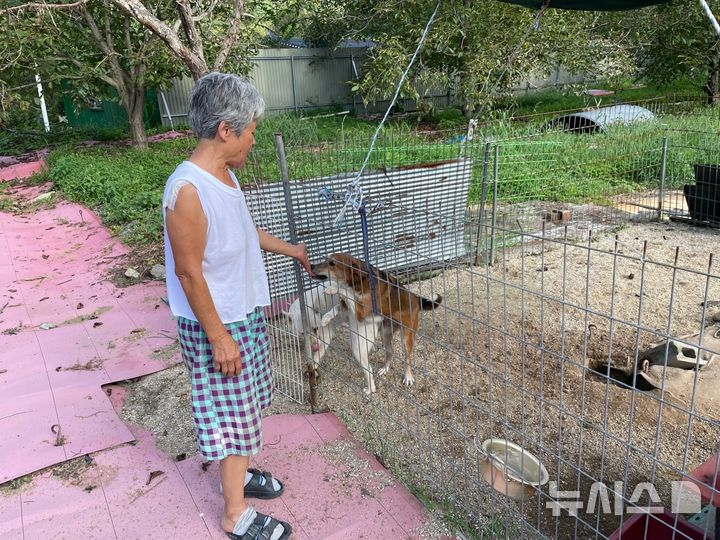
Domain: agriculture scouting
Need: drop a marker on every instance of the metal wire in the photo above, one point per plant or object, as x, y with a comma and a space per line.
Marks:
546, 347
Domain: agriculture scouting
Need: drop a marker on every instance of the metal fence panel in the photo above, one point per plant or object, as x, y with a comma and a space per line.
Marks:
436, 232
596, 353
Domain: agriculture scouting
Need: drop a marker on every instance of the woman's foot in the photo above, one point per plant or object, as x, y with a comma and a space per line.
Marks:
252, 525
262, 485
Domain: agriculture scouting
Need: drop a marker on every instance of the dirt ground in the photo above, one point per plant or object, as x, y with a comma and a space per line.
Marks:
510, 355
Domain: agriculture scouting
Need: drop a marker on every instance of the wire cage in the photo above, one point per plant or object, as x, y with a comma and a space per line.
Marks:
566, 384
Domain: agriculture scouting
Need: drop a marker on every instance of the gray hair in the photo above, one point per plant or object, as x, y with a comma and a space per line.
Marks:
223, 96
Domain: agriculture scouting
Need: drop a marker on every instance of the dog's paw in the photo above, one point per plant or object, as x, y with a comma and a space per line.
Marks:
383, 371
367, 391
327, 318
408, 379
331, 290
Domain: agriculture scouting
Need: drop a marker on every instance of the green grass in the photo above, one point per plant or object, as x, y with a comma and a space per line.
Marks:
546, 101
125, 185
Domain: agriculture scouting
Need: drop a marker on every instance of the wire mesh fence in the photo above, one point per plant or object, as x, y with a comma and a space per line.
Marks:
566, 384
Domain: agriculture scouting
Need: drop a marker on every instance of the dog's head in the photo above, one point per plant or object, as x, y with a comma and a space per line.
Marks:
319, 328
342, 268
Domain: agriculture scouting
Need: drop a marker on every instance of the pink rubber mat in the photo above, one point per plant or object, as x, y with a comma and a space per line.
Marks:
329, 494
65, 330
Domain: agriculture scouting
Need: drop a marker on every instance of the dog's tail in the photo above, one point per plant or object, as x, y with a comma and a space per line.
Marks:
429, 305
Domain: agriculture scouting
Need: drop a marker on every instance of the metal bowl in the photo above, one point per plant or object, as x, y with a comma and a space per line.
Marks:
511, 470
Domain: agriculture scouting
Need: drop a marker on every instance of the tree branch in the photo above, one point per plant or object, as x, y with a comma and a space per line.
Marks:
186, 16
231, 37
97, 36
42, 6
119, 74
106, 19
138, 11
208, 11
128, 39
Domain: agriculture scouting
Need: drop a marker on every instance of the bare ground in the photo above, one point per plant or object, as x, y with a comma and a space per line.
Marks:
510, 355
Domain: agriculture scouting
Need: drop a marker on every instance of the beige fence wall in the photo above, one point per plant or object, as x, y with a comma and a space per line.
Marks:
299, 79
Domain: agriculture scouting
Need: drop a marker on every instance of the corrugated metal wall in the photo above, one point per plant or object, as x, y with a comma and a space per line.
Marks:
296, 79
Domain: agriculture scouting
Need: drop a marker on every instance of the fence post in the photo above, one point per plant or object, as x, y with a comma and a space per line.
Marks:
483, 195
167, 110
663, 168
292, 80
496, 166
280, 146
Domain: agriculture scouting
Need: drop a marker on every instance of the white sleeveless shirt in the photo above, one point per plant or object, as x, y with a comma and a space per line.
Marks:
232, 263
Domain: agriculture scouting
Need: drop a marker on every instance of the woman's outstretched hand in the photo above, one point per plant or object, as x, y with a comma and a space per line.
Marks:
301, 256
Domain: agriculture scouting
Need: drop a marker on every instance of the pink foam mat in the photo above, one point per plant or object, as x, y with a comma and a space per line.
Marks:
54, 273
322, 500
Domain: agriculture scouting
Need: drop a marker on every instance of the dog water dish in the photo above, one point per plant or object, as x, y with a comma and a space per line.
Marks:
511, 470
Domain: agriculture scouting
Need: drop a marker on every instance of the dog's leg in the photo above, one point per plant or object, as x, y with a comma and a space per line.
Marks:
330, 315
387, 337
324, 335
362, 340
331, 290
408, 339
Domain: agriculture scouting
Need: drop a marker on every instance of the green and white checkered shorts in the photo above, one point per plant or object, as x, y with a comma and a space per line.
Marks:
228, 410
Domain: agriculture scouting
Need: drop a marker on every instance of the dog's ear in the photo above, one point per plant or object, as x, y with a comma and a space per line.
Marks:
359, 266
355, 275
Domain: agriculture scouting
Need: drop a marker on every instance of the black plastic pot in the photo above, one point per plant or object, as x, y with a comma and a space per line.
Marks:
703, 199
708, 175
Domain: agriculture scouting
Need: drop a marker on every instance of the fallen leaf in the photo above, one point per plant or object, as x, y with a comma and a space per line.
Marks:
153, 475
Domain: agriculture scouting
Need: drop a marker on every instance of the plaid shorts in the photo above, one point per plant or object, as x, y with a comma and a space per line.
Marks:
227, 410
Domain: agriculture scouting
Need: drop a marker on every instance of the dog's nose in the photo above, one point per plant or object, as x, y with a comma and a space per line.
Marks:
318, 276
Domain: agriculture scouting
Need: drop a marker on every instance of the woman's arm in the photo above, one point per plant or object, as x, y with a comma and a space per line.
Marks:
186, 228
271, 243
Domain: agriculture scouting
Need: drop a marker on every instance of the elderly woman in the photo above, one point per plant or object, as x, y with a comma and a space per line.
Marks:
217, 287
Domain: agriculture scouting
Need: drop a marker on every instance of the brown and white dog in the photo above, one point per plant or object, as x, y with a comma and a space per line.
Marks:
397, 308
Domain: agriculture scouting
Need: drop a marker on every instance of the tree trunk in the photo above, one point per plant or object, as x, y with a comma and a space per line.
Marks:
136, 122
132, 99
712, 89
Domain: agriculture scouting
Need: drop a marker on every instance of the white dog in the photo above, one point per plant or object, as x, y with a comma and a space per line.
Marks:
320, 308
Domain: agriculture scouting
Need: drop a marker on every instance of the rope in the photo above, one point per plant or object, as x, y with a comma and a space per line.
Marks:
355, 197
366, 253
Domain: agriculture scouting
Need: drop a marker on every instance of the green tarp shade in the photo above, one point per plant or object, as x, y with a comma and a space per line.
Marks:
607, 5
